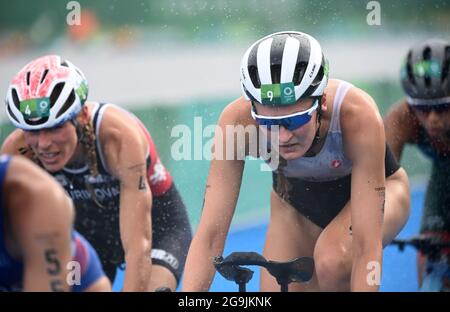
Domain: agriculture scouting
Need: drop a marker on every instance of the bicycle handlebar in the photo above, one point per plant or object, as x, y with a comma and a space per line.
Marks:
297, 270
429, 245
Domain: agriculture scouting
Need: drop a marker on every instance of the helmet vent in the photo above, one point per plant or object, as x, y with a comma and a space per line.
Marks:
55, 93
66, 105
64, 63
44, 75
28, 78
320, 73
276, 57
299, 72
275, 70
427, 53
427, 80
446, 64
10, 111
38, 121
253, 67
254, 76
426, 57
15, 98
409, 70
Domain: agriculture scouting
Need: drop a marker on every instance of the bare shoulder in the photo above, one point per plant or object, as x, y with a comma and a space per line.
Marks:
25, 174
13, 143
362, 126
238, 125
402, 126
122, 140
401, 112
237, 113
119, 126
358, 100
359, 111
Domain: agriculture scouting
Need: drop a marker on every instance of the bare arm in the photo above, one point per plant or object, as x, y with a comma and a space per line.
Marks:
14, 144
221, 194
41, 216
401, 126
364, 134
126, 157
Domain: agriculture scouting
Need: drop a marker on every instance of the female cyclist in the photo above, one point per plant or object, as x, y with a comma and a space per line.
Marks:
334, 180
126, 203
423, 119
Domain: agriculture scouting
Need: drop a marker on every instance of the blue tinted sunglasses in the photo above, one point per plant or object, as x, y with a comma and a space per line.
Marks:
290, 122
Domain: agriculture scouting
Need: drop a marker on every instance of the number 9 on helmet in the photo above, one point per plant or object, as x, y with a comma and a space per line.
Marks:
282, 68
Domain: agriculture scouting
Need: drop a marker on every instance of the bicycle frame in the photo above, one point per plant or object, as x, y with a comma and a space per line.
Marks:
437, 266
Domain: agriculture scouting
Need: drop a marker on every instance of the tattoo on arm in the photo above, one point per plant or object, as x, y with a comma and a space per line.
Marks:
382, 193
53, 269
23, 150
51, 259
53, 265
140, 168
142, 186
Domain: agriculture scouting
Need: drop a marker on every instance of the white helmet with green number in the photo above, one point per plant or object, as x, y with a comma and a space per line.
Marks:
45, 93
282, 68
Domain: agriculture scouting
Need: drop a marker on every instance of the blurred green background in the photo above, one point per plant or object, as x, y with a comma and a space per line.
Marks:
116, 39
217, 20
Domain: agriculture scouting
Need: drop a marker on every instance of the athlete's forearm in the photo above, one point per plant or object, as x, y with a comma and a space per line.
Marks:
136, 233
366, 271
199, 270
137, 273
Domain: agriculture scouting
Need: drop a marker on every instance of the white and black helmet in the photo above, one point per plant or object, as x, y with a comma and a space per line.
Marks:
282, 68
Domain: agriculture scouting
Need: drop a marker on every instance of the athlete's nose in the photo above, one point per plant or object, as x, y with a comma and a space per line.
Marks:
285, 135
44, 139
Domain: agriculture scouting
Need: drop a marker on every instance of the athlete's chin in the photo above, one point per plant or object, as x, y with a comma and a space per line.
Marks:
291, 153
52, 166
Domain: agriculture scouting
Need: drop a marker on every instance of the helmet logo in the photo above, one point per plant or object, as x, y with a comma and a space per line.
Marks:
312, 71
287, 91
243, 74
326, 69
82, 91
43, 105
35, 108
427, 68
279, 93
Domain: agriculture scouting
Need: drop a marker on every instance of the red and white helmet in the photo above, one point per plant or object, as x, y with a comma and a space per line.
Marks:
46, 93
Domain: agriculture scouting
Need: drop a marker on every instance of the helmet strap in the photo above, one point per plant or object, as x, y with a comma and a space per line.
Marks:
317, 137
